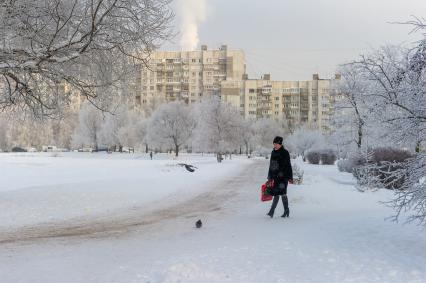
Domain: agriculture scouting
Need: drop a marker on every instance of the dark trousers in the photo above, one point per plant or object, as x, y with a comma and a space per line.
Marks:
275, 202
276, 199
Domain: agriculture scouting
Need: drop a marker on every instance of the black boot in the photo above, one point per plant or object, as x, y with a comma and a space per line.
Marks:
286, 213
285, 204
273, 206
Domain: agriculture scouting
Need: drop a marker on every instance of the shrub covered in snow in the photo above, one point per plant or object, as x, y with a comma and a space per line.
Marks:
313, 157
382, 167
390, 154
323, 156
327, 157
297, 174
348, 165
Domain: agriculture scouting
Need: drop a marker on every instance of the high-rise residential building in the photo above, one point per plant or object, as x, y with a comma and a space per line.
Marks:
298, 102
188, 75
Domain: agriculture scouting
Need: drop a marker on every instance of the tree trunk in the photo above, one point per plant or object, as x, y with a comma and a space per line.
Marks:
176, 150
417, 147
359, 142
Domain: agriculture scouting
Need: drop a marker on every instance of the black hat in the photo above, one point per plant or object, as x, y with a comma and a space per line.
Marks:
278, 140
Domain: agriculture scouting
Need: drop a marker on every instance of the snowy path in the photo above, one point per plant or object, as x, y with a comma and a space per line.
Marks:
334, 234
129, 219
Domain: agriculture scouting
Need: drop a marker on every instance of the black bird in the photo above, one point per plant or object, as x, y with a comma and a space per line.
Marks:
188, 167
198, 224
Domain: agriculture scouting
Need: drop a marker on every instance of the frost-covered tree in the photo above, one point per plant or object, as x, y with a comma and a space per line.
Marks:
88, 129
171, 125
304, 139
349, 117
129, 133
247, 135
264, 131
397, 96
52, 49
21, 129
111, 125
141, 132
4, 129
218, 127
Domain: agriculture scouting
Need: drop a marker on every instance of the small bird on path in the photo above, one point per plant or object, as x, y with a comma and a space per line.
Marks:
198, 224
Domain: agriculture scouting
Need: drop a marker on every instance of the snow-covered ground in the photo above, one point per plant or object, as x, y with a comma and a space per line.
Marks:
122, 218
45, 187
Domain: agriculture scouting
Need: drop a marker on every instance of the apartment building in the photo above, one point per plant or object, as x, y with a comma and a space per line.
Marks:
297, 102
188, 75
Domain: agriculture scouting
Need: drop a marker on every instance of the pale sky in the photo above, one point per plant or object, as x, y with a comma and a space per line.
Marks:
292, 39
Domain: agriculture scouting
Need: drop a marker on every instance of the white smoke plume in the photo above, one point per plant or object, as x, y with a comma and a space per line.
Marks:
192, 12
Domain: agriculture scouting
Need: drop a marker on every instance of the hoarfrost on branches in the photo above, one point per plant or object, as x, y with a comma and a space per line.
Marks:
396, 93
52, 50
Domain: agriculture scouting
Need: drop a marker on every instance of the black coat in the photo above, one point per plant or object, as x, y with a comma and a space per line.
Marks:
280, 170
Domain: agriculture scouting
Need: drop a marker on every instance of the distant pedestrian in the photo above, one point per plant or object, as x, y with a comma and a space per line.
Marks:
150, 155
281, 173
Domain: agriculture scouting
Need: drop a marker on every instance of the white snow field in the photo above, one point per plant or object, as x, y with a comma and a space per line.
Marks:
84, 217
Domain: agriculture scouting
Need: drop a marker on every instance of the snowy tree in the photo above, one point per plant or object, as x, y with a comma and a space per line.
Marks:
247, 136
304, 139
218, 127
4, 140
141, 132
87, 132
128, 134
52, 49
111, 125
265, 130
171, 125
349, 116
152, 105
62, 129
397, 95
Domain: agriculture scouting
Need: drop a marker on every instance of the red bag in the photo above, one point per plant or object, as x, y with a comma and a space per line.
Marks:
264, 196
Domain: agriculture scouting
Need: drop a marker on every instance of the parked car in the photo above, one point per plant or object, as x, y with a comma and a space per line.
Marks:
18, 149
49, 148
128, 149
85, 149
101, 148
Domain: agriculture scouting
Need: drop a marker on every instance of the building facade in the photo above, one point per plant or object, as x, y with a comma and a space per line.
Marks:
190, 75
298, 102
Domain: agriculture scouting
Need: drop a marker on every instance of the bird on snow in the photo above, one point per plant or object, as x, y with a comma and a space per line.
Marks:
198, 224
190, 168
